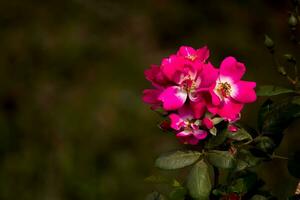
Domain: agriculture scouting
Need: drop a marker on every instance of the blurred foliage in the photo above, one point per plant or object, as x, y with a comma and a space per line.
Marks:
72, 125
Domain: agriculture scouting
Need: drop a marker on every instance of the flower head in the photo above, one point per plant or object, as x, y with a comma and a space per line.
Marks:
230, 92
189, 88
187, 128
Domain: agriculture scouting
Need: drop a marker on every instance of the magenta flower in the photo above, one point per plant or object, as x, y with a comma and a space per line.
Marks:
197, 94
191, 54
178, 78
230, 92
186, 126
183, 70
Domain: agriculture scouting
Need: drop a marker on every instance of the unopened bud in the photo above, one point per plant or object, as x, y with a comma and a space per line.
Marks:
290, 58
269, 42
165, 125
281, 70
293, 20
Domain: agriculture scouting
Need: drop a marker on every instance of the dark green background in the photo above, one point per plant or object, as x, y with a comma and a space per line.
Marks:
72, 124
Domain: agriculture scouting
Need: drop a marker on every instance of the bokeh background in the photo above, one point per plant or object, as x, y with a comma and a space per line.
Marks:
72, 123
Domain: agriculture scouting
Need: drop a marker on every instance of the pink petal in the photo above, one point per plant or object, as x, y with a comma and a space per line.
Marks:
151, 73
198, 108
230, 110
215, 99
203, 53
230, 67
209, 75
173, 98
244, 92
200, 134
155, 76
212, 109
186, 137
192, 140
176, 121
185, 72
185, 112
186, 51
171, 65
184, 133
150, 96
208, 123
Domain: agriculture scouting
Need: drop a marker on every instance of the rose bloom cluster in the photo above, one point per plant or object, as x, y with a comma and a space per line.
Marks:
195, 94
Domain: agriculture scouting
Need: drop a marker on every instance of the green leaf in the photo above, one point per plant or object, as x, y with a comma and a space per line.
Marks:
155, 196
213, 131
275, 118
258, 197
240, 135
294, 165
244, 183
177, 159
279, 115
215, 141
265, 144
221, 159
221, 191
200, 180
272, 90
177, 193
262, 113
217, 120
239, 186
245, 160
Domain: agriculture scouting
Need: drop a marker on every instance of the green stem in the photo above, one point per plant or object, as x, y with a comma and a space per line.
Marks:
279, 157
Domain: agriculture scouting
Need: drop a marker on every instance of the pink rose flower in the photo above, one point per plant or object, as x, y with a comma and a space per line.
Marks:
196, 93
186, 126
230, 92
179, 79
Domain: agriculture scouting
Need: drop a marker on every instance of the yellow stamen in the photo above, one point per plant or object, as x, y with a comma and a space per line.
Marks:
224, 89
191, 57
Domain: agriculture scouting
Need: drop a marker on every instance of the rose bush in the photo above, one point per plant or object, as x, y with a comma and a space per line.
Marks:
202, 105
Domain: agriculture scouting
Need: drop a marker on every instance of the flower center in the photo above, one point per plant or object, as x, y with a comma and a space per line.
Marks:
188, 85
191, 124
224, 89
191, 57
